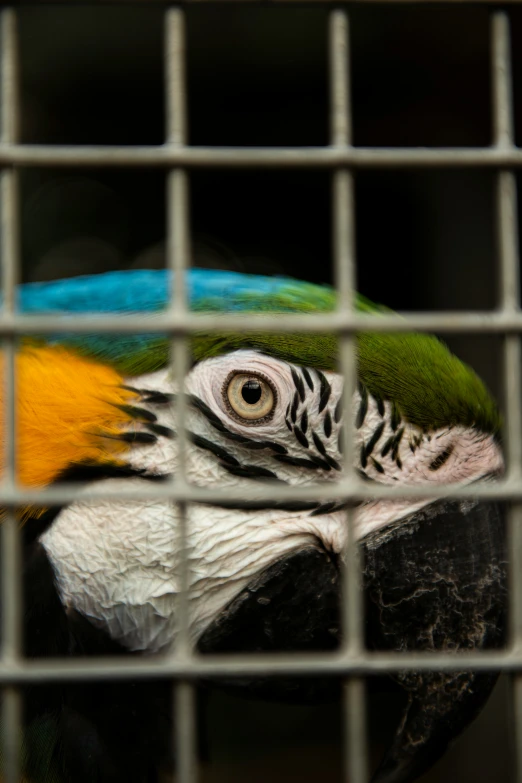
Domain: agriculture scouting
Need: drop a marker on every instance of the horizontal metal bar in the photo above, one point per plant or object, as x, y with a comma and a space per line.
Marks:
268, 665
279, 2
179, 324
351, 491
169, 155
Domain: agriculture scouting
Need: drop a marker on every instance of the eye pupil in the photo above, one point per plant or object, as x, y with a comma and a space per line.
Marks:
251, 392
249, 398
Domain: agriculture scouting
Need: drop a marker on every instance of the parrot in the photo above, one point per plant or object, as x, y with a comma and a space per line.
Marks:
102, 577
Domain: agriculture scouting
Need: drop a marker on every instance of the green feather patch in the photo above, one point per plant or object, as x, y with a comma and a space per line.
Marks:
431, 387
417, 372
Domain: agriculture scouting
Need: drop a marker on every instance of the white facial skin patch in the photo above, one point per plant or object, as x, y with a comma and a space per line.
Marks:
117, 562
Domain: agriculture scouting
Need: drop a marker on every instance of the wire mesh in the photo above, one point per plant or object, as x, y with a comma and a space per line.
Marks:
177, 260
344, 269
11, 556
175, 156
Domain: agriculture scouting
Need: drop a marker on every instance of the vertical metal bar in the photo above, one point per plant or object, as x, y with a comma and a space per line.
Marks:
185, 708
344, 269
178, 261
356, 741
508, 255
178, 252
9, 251
507, 231
516, 715
175, 77
503, 126
355, 750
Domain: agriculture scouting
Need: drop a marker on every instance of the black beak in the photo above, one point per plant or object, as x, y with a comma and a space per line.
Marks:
436, 581
291, 606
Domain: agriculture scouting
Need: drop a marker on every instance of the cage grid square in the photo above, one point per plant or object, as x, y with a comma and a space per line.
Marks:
353, 662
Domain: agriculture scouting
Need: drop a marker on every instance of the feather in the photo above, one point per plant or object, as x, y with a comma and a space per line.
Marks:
147, 291
70, 410
430, 386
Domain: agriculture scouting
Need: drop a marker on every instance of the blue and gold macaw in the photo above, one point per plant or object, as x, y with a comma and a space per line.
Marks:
102, 577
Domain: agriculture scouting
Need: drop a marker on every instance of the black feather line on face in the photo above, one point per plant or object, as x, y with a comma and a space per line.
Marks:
135, 412
388, 446
442, 458
161, 430
369, 447
293, 409
380, 405
308, 378
301, 437
325, 392
363, 407
299, 385
327, 424
377, 465
319, 445
158, 398
396, 444
257, 445
312, 463
214, 448
395, 417
134, 438
333, 462
253, 472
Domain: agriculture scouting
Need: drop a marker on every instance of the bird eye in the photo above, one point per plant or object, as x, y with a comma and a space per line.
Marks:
249, 397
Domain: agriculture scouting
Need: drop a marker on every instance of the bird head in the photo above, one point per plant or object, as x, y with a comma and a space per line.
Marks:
264, 573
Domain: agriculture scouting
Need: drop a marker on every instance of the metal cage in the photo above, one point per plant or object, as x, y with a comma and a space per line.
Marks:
341, 158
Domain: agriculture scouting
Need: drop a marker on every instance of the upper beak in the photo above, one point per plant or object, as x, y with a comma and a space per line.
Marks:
437, 582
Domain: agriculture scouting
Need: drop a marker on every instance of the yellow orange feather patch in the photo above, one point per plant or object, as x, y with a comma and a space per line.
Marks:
65, 405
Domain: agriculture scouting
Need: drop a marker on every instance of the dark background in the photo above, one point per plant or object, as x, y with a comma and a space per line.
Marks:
258, 77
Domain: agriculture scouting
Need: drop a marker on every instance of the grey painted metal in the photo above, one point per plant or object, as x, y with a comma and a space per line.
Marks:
501, 81
516, 715
11, 722
353, 661
167, 156
283, 2
508, 262
12, 609
355, 737
178, 243
509, 268
9, 254
349, 490
186, 745
252, 665
343, 202
508, 257
494, 322
178, 254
